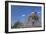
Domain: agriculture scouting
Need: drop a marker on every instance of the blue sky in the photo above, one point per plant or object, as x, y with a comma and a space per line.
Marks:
19, 12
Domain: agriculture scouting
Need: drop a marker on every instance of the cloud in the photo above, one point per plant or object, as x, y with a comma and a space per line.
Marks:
38, 12
23, 15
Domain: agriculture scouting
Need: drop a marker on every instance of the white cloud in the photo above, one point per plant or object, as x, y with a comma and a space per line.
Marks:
23, 15
38, 12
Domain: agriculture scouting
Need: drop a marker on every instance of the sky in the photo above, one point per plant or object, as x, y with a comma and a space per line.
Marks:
20, 12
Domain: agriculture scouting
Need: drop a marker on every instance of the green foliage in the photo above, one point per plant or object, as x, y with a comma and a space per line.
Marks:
35, 17
17, 24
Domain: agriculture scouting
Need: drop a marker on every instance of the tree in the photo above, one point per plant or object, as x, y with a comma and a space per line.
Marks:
17, 24
35, 17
